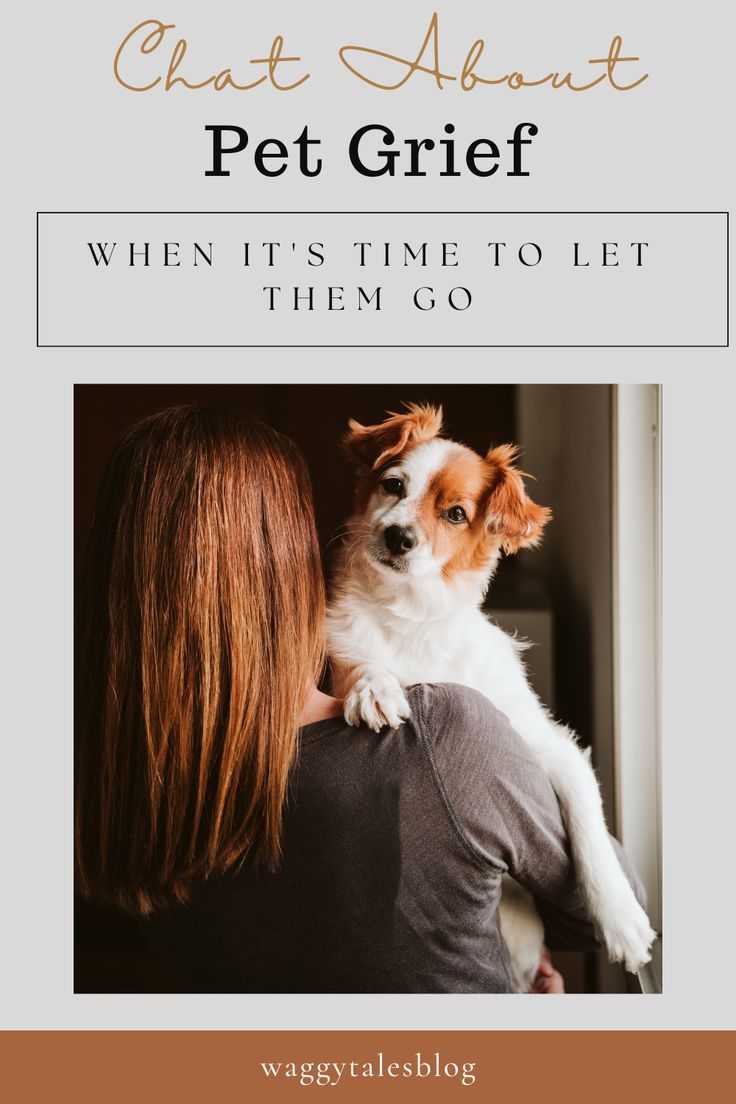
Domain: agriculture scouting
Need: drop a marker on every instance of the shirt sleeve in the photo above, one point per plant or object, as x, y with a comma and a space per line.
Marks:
506, 808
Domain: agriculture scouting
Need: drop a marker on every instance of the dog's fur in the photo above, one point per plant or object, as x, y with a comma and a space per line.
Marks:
406, 609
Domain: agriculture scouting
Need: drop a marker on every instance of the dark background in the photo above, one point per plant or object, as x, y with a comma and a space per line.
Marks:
313, 415
110, 953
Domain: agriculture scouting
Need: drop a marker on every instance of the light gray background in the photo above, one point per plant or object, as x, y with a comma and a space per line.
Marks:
75, 140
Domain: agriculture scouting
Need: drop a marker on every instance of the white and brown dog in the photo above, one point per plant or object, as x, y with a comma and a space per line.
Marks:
431, 521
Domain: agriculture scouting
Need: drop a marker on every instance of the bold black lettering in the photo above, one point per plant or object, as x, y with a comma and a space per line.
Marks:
262, 153
218, 149
304, 142
517, 142
389, 156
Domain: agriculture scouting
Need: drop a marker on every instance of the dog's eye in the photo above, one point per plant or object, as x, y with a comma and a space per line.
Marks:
393, 486
456, 515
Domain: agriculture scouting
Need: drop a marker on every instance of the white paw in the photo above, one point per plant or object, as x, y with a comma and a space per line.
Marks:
628, 935
376, 700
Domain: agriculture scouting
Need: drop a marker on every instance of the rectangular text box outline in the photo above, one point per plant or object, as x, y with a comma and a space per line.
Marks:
76, 345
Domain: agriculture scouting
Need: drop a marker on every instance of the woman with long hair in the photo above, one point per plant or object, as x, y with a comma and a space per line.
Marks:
220, 797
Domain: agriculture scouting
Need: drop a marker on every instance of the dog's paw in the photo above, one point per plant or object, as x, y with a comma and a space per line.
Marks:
377, 700
628, 936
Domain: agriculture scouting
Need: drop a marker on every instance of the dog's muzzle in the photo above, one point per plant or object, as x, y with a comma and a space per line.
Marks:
398, 540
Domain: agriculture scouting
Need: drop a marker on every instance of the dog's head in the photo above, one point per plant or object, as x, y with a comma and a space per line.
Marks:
432, 506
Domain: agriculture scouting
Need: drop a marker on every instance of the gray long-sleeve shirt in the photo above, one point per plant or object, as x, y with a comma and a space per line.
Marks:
394, 848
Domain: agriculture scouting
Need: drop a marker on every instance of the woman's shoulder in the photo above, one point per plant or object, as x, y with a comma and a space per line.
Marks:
467, 734
492, 782
449, 707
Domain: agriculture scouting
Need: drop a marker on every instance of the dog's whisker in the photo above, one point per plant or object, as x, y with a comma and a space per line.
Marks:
351, 528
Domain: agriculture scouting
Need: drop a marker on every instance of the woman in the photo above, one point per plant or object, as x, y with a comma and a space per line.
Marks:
222, 800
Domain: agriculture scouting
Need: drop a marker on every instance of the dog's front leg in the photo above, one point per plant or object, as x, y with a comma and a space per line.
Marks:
364, 663
621, 921
372, 696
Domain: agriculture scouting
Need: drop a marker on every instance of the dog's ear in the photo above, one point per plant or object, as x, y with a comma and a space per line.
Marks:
372, 446
510, 513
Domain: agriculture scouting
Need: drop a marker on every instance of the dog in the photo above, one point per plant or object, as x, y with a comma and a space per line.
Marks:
432, 519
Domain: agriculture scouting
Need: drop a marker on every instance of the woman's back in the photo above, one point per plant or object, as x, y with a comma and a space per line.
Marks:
394, 846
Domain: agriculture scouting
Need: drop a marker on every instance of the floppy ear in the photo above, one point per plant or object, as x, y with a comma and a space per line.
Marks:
372, 446
510, 512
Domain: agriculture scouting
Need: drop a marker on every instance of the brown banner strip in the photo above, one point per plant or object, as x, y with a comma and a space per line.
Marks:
590, 1067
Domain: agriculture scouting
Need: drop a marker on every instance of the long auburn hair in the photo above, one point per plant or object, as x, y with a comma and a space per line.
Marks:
200, 627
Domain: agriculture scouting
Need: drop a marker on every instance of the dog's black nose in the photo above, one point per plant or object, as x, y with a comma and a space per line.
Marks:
399, 540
